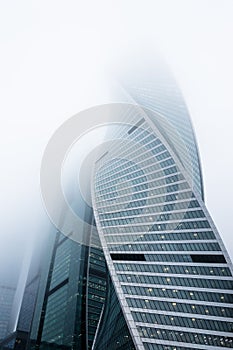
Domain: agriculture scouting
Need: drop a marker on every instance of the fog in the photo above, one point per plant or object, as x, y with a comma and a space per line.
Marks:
55, 59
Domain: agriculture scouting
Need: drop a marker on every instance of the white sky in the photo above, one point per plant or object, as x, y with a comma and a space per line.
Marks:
53, 61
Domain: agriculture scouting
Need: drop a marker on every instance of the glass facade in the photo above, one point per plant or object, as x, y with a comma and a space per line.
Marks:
154, 274
152, 85
169, 267
6, 300
73, 296
64, 297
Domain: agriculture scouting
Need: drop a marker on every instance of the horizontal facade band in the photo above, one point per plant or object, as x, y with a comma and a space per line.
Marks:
182, 344
159, 232
209, 277
163, 241
179, 201
135, 171
165, 286
162, 252
164, 177
183, 329
180, 301
100, 199
169, 263
175, 172
176, 221
182, 314
182, 211
175, 193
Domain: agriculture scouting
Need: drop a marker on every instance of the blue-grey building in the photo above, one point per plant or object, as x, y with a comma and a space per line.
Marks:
6, 300
153, 273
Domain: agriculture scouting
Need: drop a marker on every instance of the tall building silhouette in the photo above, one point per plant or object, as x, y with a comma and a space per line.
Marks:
169, 268
6, 300
154, 273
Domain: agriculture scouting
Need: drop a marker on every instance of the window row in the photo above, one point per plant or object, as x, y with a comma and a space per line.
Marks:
127, 197
137, 246
187, 337
156, 199
174, 236
180, 307
173, 269
179, 294
178, 281
186, 322
134, 173
182, 226
180, 257
119, 219
140, 184
158, 174
154, 346
158, 208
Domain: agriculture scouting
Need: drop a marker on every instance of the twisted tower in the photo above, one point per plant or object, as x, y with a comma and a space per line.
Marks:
150, 270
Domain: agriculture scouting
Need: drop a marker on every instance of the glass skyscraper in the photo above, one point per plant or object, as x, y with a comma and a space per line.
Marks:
154, 273
6, 299
170, 270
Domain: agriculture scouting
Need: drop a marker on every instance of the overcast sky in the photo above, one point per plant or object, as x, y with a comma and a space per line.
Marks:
54, 59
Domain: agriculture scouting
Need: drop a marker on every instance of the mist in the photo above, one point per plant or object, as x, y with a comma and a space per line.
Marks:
56, 61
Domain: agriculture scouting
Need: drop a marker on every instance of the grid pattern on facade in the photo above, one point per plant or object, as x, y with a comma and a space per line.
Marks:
145, 207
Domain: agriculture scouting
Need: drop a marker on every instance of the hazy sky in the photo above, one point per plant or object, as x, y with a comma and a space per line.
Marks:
54, 59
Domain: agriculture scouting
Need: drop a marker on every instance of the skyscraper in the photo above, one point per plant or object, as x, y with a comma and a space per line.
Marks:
153, 272
169, 267
6, 299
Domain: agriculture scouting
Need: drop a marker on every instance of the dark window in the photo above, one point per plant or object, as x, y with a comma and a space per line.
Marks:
128, 257
216, 259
